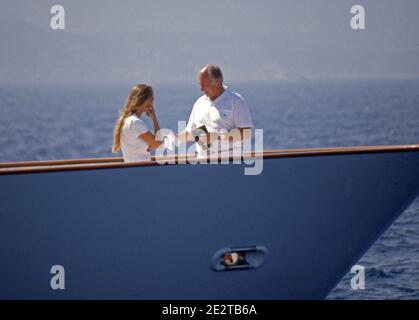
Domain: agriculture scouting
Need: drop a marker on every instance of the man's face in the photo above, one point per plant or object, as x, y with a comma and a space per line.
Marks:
210, 87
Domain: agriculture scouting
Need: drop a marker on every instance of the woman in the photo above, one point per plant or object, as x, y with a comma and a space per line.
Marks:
131, 135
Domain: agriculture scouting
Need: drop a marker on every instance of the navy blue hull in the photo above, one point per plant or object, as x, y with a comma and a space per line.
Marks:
150, 232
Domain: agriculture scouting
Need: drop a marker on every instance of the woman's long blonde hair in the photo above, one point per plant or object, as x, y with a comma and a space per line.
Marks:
136, 97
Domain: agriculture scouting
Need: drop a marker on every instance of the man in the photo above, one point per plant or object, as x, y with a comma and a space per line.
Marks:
220, 119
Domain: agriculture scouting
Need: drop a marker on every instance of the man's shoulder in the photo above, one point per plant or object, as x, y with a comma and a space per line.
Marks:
202, 99
234, 95
237, 99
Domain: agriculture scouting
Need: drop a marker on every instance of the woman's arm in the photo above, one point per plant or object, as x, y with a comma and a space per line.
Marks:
153, 117
149, 138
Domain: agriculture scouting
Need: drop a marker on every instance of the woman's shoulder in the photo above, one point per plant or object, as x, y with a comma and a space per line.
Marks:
133, 119
133, 122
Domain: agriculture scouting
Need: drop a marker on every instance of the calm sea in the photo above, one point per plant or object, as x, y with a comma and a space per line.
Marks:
44, 123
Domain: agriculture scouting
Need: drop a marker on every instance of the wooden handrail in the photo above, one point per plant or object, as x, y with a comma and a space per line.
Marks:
58, 162
117, 162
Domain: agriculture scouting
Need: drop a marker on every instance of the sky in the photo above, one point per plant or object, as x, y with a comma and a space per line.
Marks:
119, 42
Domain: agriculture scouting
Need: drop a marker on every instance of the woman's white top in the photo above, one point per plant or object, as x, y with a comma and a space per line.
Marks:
132, 146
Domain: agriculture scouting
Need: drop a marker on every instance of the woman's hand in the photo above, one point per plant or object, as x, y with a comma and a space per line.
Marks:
151, 113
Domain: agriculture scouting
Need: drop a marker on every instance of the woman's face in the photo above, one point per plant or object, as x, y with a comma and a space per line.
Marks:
147, 106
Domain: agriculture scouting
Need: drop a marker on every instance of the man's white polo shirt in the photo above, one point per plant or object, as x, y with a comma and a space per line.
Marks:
225, 113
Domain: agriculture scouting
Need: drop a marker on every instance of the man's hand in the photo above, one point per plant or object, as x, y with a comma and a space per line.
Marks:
208, 137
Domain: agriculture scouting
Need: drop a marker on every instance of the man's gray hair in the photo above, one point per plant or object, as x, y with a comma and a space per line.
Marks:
215, 73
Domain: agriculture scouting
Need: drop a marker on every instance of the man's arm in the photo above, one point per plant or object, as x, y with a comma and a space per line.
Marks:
242, 119
184, 136
236, 134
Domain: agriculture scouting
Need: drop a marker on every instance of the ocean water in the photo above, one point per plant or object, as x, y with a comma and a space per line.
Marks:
45, 123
